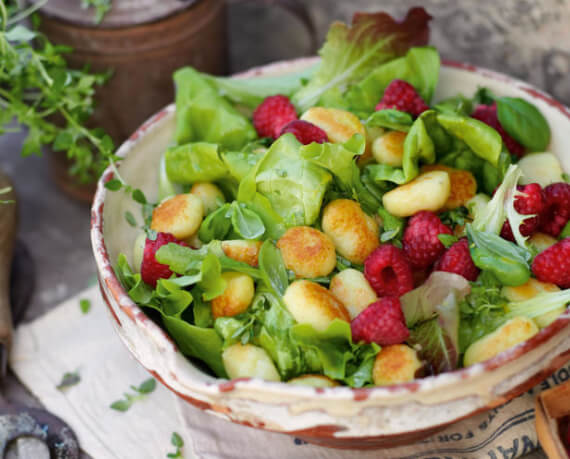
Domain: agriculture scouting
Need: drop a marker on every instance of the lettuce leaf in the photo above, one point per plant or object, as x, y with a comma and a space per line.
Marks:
195, 162
172, 303
419, 67
350, 53
203, 115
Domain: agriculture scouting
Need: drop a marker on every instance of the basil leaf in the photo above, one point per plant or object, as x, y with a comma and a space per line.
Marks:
272, 268
246, 222
523, 122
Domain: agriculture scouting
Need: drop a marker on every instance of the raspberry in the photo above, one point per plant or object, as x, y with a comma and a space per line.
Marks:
388, 271
402, 96
382, 322
556, 211
488, 115
152, 270
305, 132
272, 115
532, 203
553, 264
420, 242
457, 259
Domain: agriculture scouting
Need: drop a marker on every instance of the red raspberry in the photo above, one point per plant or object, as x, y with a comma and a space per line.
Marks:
382, 323
420, 242
305, 132
152, 270
272, 115
532, 203
553, 264
556, 211
401, 95
388, 271
457, 259
488, 115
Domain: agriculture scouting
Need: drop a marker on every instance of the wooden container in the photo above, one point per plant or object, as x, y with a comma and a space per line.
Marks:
143, 58
552, 406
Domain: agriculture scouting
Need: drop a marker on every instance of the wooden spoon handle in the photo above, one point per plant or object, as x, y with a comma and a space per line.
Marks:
7, 236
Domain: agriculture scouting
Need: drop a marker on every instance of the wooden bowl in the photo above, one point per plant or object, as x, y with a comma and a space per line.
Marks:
340, 416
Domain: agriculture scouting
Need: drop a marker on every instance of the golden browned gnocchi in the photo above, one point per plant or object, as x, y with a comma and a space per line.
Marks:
541, 168
249, 361
311, 303
389, 148
210, 195
541, 241
354, 234
313, 381
242, 250
372, 133
529, 290
180, 216
353, 290
513, 332
395, 364
236, 297
463, 185
428, 191
307, 252
338, 124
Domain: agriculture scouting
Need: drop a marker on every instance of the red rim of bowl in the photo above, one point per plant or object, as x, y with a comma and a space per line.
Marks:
134, 312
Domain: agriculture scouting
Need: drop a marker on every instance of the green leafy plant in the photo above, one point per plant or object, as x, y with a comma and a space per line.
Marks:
145, 388
51, 100
178, 443
102, 7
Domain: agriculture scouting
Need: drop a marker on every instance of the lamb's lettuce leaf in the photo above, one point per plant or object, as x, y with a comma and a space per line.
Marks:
418, 146
350, 53
419, 67
203, 115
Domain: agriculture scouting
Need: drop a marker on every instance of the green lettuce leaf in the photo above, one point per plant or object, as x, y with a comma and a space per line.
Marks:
294, 186
390, 119
419, 67
195, 162
350, 53
203, 115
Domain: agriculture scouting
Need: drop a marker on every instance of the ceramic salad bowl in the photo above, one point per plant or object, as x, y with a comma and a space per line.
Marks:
338, 416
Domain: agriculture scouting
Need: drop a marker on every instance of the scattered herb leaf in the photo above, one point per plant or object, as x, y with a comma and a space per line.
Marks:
84, 305
68, 380
146, 387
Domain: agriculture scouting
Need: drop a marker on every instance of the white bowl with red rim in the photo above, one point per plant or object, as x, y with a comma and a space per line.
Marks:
338, 416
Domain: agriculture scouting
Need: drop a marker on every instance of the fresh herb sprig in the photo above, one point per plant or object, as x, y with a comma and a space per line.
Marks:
102, 7
69, 379
51, 100
145, 388
178, 443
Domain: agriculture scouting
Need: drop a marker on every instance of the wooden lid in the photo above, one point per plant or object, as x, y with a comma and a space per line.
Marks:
123, 12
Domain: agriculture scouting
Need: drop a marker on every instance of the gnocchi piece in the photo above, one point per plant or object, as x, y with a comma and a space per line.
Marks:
249, 361
354, 233
138, 251
307, 252
541, 168
389, 148
180, 216
339, 125
463, 185
513, 332
353, 290
313, 381
428, 191
210, 195
395, 364
311, 303
372, 133
541, 241
242, 250
529, 290
236, 297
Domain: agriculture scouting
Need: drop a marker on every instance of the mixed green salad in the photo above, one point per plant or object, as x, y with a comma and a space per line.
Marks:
268, 256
